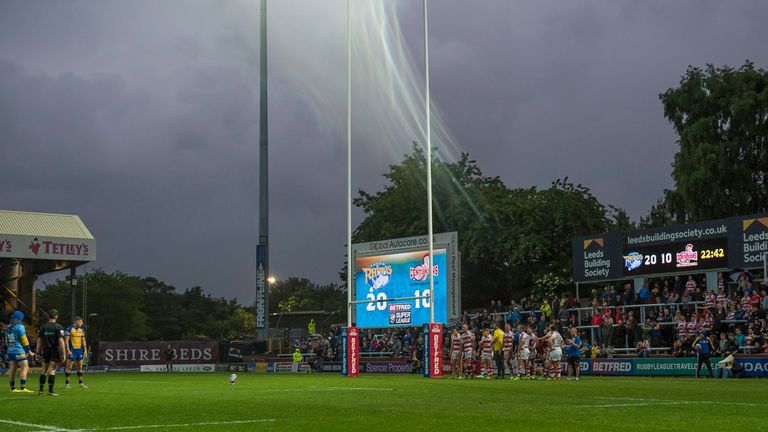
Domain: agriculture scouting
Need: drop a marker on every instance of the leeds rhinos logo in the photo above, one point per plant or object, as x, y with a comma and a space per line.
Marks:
421, 271
633, 260
377, 276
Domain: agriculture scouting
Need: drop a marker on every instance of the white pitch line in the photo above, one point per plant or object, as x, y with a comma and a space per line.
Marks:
645, 402
177, 425
324, 389
39, 427
631, 404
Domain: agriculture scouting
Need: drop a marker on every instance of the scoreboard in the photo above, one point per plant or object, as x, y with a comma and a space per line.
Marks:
676, 257
391, 282
382, 279
738, 242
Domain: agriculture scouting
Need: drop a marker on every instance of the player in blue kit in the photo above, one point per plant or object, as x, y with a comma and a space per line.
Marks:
704, 347
77, 350
18, 352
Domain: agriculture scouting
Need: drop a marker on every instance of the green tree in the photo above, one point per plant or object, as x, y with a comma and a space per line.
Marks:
133, 308
508, 238
115, 298
721, 117
300, 294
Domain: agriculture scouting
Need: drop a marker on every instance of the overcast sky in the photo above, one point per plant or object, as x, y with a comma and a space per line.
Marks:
141, 116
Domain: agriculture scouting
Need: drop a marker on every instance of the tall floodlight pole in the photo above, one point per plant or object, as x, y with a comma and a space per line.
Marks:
262, 251
350, 264
428, 128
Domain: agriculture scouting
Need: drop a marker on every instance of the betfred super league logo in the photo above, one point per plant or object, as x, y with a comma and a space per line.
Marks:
34, 246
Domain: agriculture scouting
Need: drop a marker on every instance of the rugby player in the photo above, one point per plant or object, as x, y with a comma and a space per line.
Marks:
468, 340
456, 352
18, 352
507, 349
50, 345
534, 348
498, 350
523, 353
552, 362
485, 352
77, 350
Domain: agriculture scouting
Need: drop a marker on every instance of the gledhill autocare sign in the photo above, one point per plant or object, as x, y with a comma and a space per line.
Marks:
153, 353
734, 243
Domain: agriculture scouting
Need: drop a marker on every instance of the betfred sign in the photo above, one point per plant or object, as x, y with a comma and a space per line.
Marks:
353, 352
153, 353
436, 350
344, 352
612, 367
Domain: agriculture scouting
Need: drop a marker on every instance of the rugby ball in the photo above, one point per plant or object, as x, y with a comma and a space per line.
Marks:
232, 379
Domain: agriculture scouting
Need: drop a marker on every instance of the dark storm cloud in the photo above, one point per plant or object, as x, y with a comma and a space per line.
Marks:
143, 116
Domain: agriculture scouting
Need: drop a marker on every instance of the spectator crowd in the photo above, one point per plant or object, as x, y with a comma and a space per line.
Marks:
661, 318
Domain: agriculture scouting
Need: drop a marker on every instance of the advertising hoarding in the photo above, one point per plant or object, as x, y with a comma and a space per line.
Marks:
733, 243
152, 353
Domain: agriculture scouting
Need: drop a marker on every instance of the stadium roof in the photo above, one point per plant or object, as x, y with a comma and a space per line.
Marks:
45, 236
43, 225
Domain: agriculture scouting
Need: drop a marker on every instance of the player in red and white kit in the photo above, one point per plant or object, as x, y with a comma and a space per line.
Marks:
468, 344
486, 354
552, 366
534, 347
523, 353
457, 352
507, 343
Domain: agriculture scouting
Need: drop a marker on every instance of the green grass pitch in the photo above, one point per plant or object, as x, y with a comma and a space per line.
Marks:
309, 402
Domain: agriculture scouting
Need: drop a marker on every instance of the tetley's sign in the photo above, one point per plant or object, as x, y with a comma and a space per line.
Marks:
47, 248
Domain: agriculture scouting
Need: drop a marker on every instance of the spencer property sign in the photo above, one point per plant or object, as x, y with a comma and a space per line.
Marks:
47, 248
737, 242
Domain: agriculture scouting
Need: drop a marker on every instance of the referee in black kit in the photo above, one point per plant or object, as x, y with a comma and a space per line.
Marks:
50, 345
